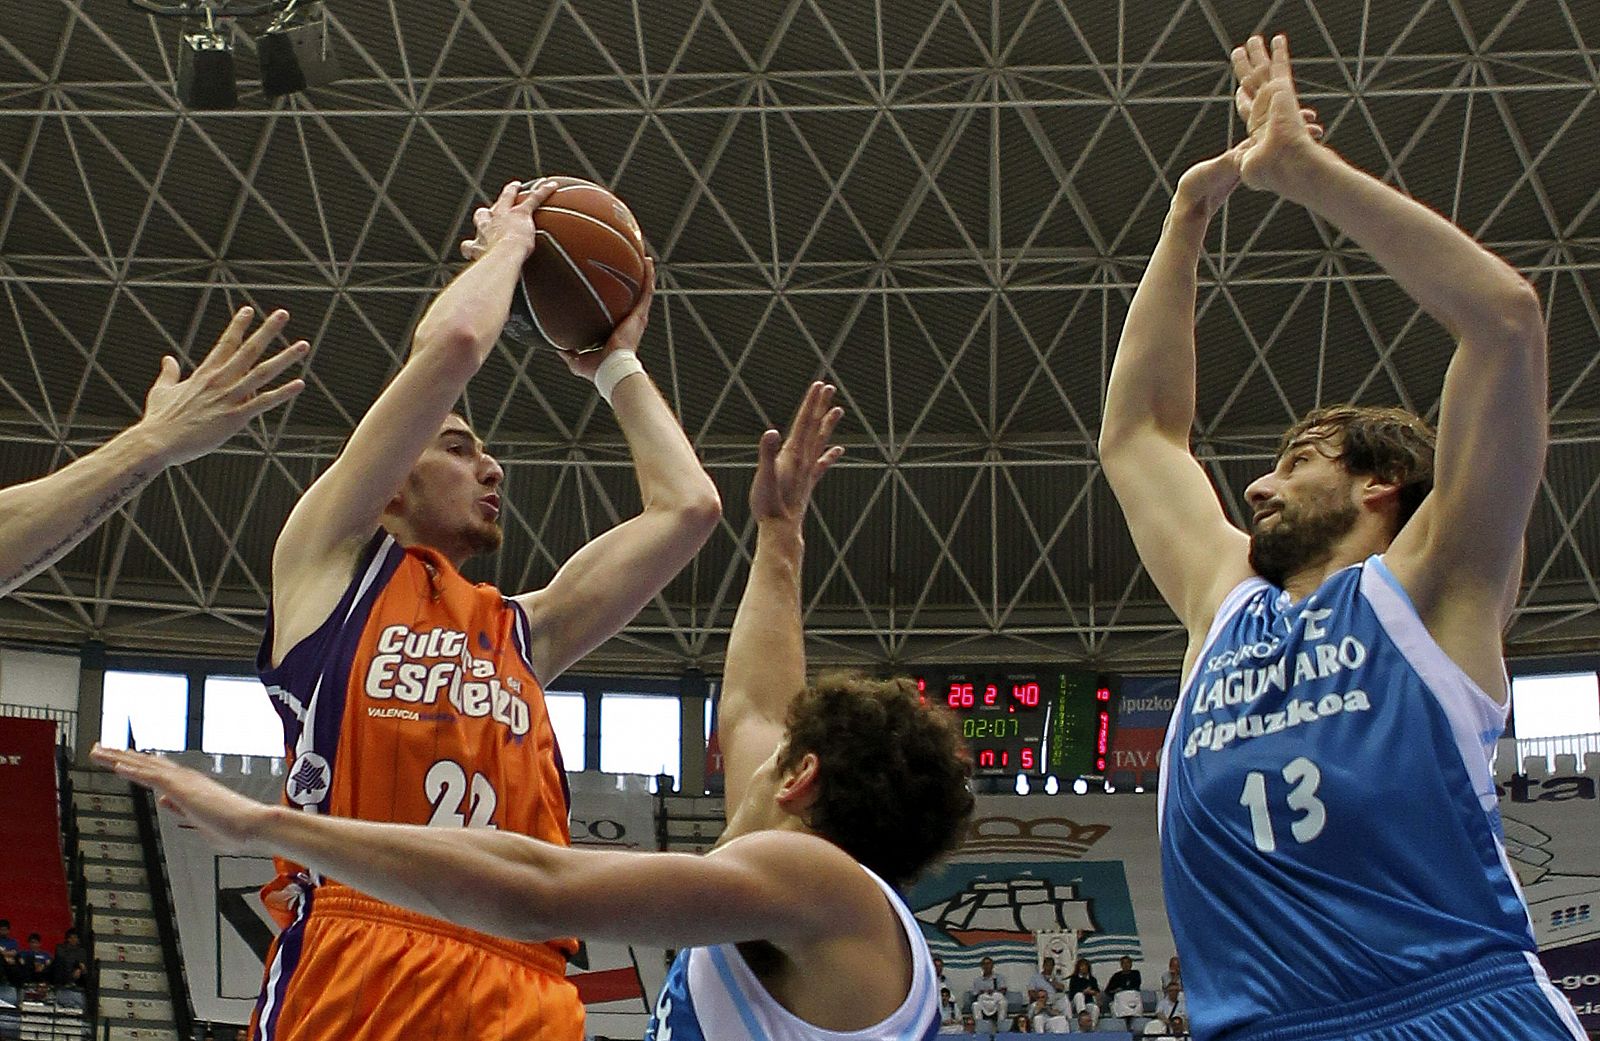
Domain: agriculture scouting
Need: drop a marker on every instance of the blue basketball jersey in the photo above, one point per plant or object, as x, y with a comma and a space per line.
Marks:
1330, 830
711, 994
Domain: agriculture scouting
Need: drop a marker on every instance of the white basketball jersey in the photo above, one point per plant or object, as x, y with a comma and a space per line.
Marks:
711, 995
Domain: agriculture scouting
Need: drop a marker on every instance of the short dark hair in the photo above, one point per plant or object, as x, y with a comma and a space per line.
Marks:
1390, 444
35, 936
894, 772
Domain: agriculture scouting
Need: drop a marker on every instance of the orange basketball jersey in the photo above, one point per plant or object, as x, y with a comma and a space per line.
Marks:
413, 703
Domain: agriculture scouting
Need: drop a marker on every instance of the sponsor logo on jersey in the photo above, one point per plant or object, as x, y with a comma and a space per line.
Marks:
309, 779
418, 667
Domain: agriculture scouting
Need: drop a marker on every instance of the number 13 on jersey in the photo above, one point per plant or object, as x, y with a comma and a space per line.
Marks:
1311, 815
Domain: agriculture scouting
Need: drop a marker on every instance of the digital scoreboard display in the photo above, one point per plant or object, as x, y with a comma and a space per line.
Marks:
1035, 721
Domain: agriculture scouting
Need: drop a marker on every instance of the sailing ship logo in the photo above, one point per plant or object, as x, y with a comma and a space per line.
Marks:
1009, 910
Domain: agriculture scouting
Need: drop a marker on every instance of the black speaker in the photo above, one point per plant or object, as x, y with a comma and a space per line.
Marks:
205, 73
294, 59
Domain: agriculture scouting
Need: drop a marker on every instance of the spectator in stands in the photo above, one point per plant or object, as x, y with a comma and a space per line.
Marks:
938, 971
988, 980
1047, 1012
988, 1007
1172, 1002
949, 1012
1122, 990
1086, 1022
1082, 988
35, 961
1173, 973
1045, 979
969, 1025
71, 961
10, 969
1019, 1024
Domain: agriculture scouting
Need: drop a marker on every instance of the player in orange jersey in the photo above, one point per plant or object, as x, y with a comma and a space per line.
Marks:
411, 695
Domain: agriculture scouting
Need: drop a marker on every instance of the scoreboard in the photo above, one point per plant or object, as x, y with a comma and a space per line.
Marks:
1040, 721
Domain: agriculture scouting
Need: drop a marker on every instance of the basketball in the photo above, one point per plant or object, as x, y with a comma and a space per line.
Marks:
586, 271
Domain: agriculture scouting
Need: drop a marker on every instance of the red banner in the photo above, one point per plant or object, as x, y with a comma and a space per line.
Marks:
32, 878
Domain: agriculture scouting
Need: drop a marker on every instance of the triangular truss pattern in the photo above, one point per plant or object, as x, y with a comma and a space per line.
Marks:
944, 206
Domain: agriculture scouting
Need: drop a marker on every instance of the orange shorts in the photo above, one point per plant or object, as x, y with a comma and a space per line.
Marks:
359, 970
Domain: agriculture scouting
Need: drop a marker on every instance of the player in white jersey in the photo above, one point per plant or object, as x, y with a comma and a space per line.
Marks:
840, 792
1352, 637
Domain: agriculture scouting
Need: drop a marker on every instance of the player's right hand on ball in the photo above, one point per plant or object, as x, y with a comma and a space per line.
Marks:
188, 418
625, 337
509, 219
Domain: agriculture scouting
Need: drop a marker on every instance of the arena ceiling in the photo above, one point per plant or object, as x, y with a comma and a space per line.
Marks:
941, 205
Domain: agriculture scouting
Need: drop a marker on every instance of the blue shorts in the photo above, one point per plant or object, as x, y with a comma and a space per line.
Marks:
1500, 998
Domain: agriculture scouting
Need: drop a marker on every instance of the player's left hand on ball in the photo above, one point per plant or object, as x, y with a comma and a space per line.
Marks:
509, 218
223, 815
627, 334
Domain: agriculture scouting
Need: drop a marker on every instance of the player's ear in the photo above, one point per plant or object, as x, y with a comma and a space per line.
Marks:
801, 785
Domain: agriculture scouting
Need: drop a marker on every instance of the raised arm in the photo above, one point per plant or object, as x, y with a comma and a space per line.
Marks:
324, 534
41, 520
1192, 553
782, 887
766, 662
1463, 546
607, 582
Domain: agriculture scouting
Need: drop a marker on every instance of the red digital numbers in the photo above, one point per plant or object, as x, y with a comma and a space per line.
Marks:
991, 694
986, 757
1027, 693
1028, 761
960, 695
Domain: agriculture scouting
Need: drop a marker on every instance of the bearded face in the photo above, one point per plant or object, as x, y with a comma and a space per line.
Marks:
1290, 535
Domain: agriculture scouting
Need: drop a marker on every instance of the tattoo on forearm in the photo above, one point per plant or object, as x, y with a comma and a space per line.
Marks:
92, 520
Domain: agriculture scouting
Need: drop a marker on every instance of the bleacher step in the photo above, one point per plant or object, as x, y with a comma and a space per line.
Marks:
100, 851
142, 1032
118, 900
109, 804
121, 926
92, 827
99, 781
148, 1009
113, 951
126, 876
144, 981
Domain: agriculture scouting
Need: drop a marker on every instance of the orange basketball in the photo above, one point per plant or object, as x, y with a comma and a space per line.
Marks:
586, 271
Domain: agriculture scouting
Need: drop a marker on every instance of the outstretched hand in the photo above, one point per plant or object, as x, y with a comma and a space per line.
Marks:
1282, 135
190, 417
222, 814
789, 468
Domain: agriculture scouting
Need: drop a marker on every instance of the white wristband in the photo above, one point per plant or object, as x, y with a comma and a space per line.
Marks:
617, 366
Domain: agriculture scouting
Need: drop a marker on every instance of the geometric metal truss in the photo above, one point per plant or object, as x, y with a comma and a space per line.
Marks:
941, 205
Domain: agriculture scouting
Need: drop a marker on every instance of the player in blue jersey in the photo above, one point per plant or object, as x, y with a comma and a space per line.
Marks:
1332, 854
794, 931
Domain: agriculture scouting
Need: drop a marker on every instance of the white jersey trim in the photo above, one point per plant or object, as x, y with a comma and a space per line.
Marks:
721, 982
1231, 604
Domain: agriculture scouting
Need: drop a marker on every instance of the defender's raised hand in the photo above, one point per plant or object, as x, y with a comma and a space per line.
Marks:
1281, 133
190, 417
788, 469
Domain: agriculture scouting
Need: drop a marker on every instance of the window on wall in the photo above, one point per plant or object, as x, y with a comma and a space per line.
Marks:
239, 718
1556, 705
145, 710
641, 734
570, 722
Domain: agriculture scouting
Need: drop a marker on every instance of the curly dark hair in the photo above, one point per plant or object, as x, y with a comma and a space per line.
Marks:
893, 772
1391, 444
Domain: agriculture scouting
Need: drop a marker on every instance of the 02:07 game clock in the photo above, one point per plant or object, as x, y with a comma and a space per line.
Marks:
1039, 721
